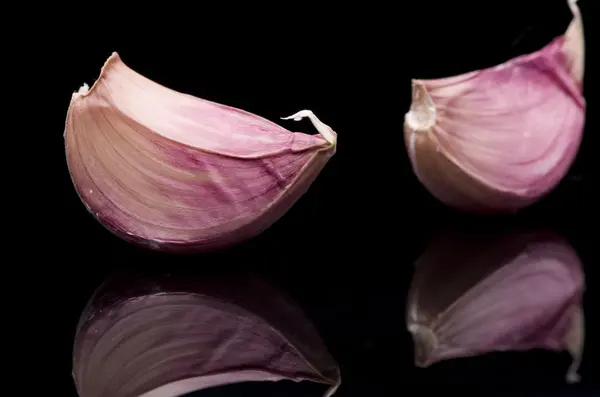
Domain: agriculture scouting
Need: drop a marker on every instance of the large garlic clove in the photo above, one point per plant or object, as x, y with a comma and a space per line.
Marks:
170, 335
472, 294
175, 172
498, 139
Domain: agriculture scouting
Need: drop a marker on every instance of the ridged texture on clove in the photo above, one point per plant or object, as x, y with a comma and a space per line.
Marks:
172, 335
498, 139
173, 172
474, 294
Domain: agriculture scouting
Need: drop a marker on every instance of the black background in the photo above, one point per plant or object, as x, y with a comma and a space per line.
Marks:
352, 66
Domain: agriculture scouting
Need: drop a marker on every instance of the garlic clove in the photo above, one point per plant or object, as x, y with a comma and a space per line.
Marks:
472, 294
498, 139
173, 172
166, 336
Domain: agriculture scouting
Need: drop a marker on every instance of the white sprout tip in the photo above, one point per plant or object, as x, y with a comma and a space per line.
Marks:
574, 6
573, 378
323, 129
299, 115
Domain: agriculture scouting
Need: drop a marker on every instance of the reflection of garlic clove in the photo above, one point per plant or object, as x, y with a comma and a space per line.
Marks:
171, 335
175, 172
470, 296
498, 139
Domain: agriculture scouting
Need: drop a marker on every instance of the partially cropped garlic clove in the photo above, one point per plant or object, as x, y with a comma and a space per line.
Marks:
474, 294
173, 172
498, 139
172, 335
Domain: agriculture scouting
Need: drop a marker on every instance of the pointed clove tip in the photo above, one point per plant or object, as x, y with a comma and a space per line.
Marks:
114, 57
85, 89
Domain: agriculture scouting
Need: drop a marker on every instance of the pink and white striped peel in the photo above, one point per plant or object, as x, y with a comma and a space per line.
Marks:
173, 172
498, 139
472, 294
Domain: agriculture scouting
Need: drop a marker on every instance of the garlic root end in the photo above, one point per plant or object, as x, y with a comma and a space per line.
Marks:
323, 129
422, 114
84, 89
426, 343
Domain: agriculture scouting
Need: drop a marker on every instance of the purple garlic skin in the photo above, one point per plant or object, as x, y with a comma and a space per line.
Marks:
167, 336
474, 294
168, 171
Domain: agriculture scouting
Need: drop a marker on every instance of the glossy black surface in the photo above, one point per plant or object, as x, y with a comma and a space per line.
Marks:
345, 251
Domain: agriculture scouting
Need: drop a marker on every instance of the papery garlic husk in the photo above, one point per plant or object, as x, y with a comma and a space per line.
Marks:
471, 295
173, 172
165, 336
498, 139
